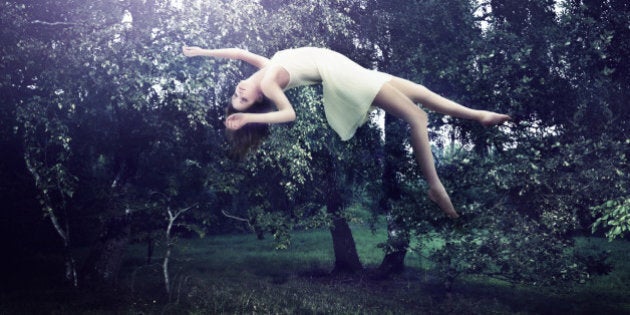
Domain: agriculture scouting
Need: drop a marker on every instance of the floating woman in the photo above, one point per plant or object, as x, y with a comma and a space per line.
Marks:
350, 91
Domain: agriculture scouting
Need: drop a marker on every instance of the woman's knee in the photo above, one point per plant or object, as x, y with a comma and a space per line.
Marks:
419, 118
414, 91
397, 103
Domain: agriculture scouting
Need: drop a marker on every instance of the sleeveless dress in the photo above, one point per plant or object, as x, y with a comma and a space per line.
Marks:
349, 89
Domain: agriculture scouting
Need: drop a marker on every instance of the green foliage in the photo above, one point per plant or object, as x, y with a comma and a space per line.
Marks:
115, 122
523, 191
529, 255
615, 216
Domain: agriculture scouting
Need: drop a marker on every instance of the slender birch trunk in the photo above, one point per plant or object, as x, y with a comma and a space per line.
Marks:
169, 243
63, 230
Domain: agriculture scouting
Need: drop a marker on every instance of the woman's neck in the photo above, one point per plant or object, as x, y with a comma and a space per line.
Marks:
256, 78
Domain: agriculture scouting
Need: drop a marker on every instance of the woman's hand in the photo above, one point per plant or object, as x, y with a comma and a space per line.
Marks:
192, 51
236, 121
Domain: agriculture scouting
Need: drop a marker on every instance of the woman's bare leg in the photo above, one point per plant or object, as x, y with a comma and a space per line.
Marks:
398, 104
420, 94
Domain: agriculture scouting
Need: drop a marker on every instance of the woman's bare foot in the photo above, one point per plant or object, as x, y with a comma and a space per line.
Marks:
488, 118
440, 197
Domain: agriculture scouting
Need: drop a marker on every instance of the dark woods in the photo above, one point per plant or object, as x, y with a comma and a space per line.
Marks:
110, 137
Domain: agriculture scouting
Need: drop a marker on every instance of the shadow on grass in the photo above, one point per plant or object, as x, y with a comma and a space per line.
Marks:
532, 300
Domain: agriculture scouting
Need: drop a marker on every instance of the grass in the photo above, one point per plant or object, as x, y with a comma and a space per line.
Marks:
236, 274
239, 274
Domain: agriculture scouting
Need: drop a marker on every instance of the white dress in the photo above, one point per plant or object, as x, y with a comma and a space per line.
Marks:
349, 89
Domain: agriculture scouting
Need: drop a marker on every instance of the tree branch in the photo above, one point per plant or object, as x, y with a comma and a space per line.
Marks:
54, 23
234, 217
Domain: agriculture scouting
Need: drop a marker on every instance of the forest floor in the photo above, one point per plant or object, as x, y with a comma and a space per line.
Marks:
237, 274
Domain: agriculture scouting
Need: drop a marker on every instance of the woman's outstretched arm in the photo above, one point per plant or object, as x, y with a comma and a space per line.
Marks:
230, 53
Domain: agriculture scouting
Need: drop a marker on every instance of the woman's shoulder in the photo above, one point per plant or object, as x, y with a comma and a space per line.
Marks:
274, 72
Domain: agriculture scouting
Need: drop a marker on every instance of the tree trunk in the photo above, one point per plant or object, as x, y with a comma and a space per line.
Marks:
61, 224
105, 260
398, 242
170, 242
346, 256
397, 236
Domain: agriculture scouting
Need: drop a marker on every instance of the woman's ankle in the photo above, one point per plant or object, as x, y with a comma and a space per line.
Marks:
488, 118
438, 195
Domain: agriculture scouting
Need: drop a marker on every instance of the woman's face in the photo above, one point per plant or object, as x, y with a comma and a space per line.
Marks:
245, 95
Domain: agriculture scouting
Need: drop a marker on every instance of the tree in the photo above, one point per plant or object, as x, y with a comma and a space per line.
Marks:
99, 72
308, 153
426, 42
533, 173
595, 139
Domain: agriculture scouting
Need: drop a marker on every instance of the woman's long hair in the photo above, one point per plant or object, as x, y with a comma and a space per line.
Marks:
249, 136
